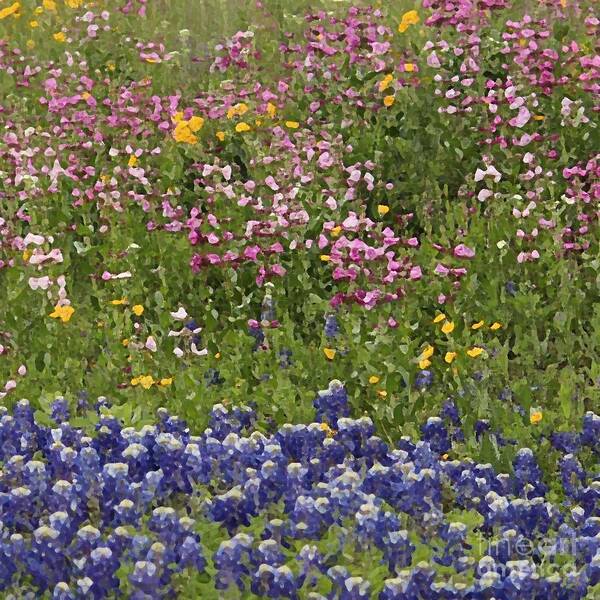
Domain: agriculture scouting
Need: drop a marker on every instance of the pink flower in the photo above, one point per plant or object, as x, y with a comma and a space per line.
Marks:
415, 273
462, 251
433, 61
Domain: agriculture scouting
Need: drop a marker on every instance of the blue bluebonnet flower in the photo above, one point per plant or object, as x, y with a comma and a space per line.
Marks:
332, 328
332, 403
424, 379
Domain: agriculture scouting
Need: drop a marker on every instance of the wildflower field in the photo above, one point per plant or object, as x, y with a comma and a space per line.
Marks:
300, 299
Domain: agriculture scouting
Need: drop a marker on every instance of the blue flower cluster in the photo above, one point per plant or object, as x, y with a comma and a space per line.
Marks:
85, 516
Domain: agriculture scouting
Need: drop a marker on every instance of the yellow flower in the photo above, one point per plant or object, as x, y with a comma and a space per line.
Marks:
330, 432
336, 231
409, 18
538, 117
385, 82
119, 301
146, 381
64, 313
389, 100
138, 310
409, 67
33, 24
423, 364
427, 351
448, 327
218, 356
439, 318
382, 393
220, 135
477, 325
475, 351
292, 124
49, 5
166, 381
177, 117
237, 110
183, 133
449, 357
38, 10
241, 127
535, 417
195, 123
444, 457
132, 161
325, 257
373, 379
495, 326
135, 381
9, 10
329, 353
60, 36
73, 3
382, 209
26, 255
271, 110
30, 44
111, 66
125, 342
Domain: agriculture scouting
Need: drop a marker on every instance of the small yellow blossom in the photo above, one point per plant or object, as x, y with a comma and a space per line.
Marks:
242, 127
125, 342
220, 135
135, 381
495, 326
271, 110
385, 82
33, 24
49, 5
477, 325
26, 255
389, 100
10, 10
449, 357
38, 10
329, 353
165, 381
535, 417
132, 161
196, 123
444, 456
292, 124
382, 209
119, 301
138, 310
427, 352
373, 379
439, 318
237, 110
409, 67
60, 37
64, 313
218, 355
73, 3
336, 231
423, 364
448, 327
382, 393
328, 431
538, 117
475, 351
325, 257
30, 44
146, 381
409, 18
